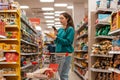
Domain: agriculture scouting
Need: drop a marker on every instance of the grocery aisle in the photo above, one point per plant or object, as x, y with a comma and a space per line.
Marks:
73, 76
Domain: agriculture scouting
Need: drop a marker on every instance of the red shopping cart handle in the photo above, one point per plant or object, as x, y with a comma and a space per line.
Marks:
34, 63
66, 54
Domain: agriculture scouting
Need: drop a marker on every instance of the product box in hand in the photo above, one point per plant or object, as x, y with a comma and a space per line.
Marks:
115, 23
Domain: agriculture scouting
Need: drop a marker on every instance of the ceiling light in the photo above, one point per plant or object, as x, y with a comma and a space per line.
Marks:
38, 28
57, 19
46, 0
60, 5
70, 7
58, 12
47, 9
57, 23
48, 13
49, 21
50, 24
50, 17
24, 7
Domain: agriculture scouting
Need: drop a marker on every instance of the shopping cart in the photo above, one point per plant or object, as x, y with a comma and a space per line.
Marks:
56, 64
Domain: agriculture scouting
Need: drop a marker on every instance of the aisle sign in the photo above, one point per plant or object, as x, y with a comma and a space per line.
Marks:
35, 20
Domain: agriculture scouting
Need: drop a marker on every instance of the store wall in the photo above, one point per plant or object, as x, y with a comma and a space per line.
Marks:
78, 12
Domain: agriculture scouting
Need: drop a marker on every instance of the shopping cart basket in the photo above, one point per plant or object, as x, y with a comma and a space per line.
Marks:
56, 64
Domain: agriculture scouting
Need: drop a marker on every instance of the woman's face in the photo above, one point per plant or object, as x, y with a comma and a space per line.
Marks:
63, 20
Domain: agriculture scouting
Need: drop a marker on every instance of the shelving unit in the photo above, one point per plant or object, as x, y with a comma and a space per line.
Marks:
115, 31
11, 44
96, 41
29, 48
80, 60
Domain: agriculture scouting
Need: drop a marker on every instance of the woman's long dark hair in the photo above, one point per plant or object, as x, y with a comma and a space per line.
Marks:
70, 20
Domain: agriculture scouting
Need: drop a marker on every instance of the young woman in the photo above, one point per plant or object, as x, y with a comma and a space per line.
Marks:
64, 40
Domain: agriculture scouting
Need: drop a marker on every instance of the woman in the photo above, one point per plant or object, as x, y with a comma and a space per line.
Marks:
64, 39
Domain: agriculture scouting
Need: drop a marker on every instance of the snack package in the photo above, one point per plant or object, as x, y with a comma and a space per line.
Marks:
44, 73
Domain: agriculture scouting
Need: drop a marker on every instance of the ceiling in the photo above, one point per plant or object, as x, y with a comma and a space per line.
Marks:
35, 8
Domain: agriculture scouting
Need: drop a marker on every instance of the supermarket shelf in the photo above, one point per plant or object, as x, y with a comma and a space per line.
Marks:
2, 37
78, 65
9, 74
28, 42
114, 52
11, 26
8, 62
8, 40
100, 24
82, 27
100, 55
2, 59
114, 32
10, 11
80, 51
80, 58
29, 53
114, 70
99, 10
26, 66
9, 50
100, 70
83, 35
79, 74
28, 25
104, 37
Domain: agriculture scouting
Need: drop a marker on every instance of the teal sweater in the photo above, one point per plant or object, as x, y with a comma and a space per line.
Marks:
65, 40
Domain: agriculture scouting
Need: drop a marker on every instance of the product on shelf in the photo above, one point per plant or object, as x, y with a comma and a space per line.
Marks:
102, 47
103, 31
2, 28
116, 44
10, 47
11, 57
9, 70
1, 75
115, 23
103, 63
104, 76
13, 34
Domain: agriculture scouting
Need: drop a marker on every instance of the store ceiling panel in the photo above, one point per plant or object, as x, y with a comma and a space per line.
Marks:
36, 11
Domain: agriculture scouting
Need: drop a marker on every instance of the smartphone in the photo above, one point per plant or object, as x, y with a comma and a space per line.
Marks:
54, 28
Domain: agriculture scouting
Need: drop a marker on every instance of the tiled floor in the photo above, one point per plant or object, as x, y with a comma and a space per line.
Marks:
73, 76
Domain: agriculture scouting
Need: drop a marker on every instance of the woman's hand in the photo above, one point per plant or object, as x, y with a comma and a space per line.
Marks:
51, 35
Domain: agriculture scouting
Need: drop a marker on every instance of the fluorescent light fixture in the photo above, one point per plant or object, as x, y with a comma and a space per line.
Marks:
70, 7
49, 21
38, 28
46, 0
58, 12
48, 13
60, 5
24, 7
47, 9
57, 23
57, 19
49, 17
50, 24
